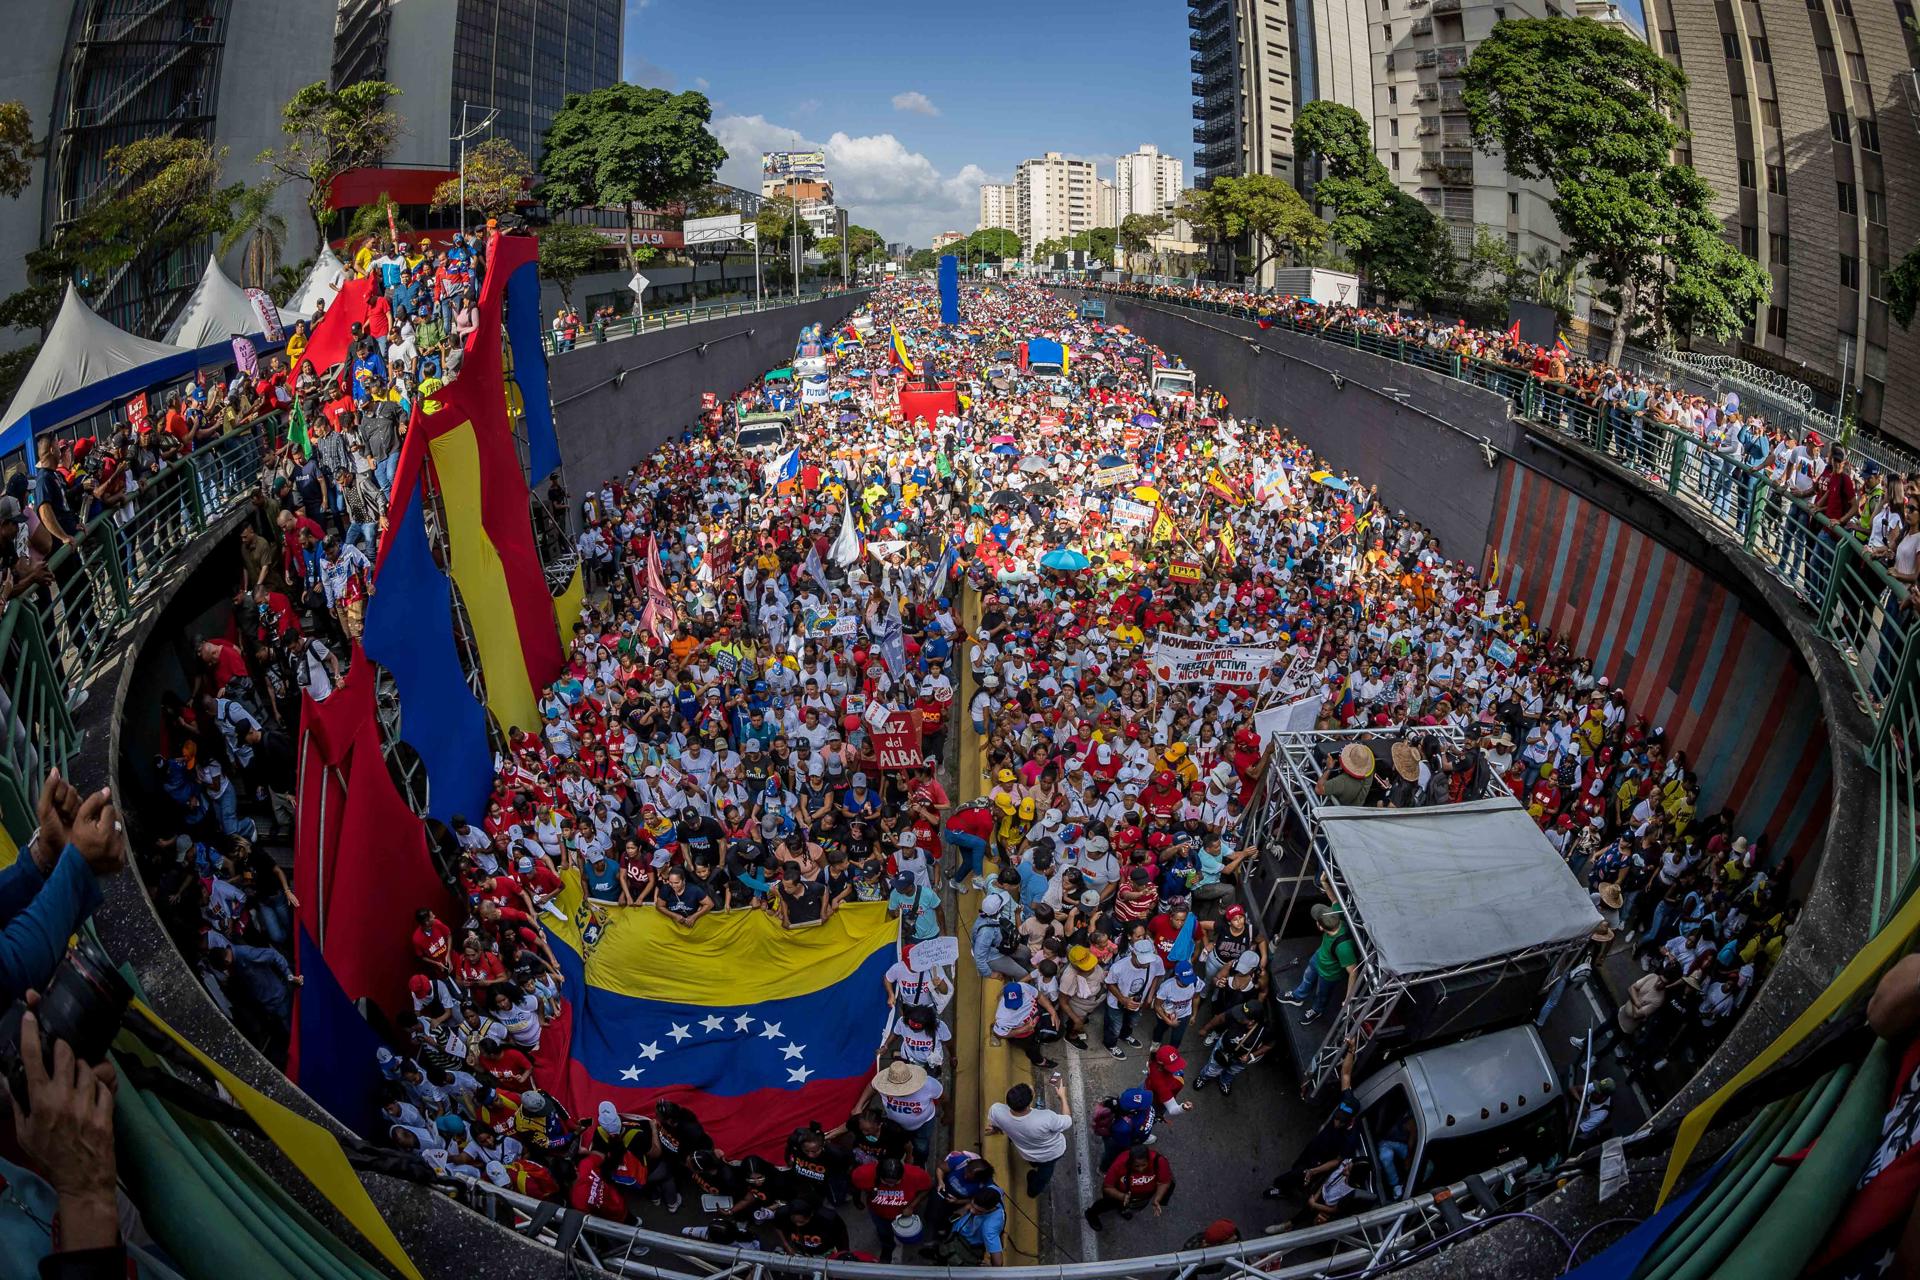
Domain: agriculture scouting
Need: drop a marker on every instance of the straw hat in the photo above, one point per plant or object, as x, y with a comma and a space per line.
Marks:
1611, 896
899, 1079
1406, 761
1603, 934
1357, 759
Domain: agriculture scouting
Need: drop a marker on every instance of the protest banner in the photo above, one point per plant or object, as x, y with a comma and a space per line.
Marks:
1501, 652
1181, 660
1107, 477
137, 413
1131, 514
934, 953
898, 745
1185, 571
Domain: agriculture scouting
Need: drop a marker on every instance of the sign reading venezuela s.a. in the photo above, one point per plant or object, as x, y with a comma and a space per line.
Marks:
757, 1028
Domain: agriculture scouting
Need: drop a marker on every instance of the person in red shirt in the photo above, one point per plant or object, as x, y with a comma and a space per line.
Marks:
475, 967
432, 942
524, 1176
969, 830
225, 663
507, 1064
890, 1189
593, 1192
1137, 1178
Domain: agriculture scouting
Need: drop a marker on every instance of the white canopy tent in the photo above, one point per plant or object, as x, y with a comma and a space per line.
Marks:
215, 311
84, 353
318, 288
1454, 885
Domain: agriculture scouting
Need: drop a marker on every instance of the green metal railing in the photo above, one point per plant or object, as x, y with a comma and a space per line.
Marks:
53, 640
652, 322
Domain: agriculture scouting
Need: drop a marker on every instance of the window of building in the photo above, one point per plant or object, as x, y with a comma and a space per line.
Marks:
1777, 248
1746, 173
1396, 162
1828, 62
1843, 7
1731, 43
1869, 134
1386, 31
1776, 322
1393, 95
1499, 13
1857, 67
1394, 126
1877, 206
1777, 179
1670, 40
1876, 282
1837, 125
1750, 241
1513, 202
1770, 112
1849, 271
1849, 202
1761, 52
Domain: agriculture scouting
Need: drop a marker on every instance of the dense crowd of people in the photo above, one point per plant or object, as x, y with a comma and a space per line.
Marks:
1740, 451
710, 748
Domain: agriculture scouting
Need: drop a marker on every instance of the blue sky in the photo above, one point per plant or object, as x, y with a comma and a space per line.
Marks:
917, 103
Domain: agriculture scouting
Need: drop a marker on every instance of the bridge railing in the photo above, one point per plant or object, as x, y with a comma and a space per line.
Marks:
56, 636
629, 326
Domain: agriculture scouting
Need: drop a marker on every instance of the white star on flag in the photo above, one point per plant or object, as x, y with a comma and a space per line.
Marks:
680, 1032
650, 1050
713, 1022
743, 1022
798, 1075
630, 1073
793, 1050
771, 1030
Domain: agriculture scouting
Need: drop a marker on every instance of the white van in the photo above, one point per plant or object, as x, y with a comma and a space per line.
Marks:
761, 433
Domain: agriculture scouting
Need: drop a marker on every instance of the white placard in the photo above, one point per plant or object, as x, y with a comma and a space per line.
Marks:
1291, 717
934, 953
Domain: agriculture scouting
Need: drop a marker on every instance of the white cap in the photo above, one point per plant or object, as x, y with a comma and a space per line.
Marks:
993, 904
497, 1173
609, 1116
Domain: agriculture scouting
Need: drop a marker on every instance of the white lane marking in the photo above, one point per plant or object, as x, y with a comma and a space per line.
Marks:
1082, 1155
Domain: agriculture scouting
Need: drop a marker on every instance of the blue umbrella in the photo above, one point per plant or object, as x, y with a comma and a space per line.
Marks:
1144, 420
1335, 482
1007, 450
1112, 460
1065, 559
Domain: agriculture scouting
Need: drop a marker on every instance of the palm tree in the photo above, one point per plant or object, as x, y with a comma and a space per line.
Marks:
264, 231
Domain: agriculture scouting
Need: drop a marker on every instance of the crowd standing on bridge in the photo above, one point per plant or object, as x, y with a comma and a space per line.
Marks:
712, 747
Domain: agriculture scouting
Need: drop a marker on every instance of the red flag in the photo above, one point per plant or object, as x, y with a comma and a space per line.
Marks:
1513, 332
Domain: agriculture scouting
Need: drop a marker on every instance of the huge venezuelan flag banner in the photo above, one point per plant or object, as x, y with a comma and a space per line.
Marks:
757, 1028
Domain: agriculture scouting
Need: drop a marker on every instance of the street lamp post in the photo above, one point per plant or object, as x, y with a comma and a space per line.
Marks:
461, 138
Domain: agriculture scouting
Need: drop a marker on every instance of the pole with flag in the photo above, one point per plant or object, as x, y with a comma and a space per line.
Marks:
786, 467
845, 551
297, 430
659, 618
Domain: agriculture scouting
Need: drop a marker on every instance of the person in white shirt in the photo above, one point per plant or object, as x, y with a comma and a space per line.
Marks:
1039, 1135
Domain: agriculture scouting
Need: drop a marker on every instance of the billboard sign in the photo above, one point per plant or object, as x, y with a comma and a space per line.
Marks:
721, 230
802, 165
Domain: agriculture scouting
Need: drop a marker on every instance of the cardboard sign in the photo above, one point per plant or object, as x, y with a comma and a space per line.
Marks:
934, 953
137, 413
1501, 652
1107, 477
1185, 571
708, 400
1131, 514
898, 745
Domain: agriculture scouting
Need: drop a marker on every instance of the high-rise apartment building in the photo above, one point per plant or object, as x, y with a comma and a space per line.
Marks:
1105, 204
1799, 127
1145, 182
997, 206
1419, 120
1243, 88
1054, 198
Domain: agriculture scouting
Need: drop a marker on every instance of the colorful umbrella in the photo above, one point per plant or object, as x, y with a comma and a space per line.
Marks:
1065, 560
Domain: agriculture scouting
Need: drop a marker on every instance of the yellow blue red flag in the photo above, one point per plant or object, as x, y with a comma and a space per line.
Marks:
757, 1028
901, 353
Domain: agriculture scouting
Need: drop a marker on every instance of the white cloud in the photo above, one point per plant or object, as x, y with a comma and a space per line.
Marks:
916, 102
700, 83
883, 185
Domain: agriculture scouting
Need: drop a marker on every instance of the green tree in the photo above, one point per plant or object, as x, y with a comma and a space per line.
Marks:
776, 222
1044, 251
497, 179
263, 229
1487, 274
1593, 110
1903, 288
1412, 255
1708, 288
925, 259
630, 146
286, 279
369, 221
569, 251
16, 148
1260, 207
1097, 243
864, 244
1138, 231
1352, 182
990, 244
330, 131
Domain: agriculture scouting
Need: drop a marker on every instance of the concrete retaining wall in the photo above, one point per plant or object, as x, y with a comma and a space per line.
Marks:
604, 429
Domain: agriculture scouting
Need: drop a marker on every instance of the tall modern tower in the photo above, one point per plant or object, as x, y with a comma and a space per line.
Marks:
1243, 91
1801, 126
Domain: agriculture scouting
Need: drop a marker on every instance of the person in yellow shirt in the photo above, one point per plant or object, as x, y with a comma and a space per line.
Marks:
1129, 633
1176, 760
